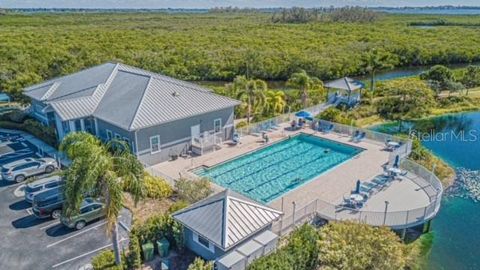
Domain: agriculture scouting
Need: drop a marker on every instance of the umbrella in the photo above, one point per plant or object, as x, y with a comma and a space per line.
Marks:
304, 114
357, 187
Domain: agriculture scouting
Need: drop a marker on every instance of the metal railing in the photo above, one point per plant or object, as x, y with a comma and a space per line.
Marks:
394, 219
273, 123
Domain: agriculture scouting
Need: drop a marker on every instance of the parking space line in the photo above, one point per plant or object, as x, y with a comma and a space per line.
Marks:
85, 254
50, 225
29, 211
77, 234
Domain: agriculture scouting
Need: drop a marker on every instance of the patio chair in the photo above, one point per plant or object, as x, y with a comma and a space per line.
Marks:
355, 135
329, 128
361, 136
236, 139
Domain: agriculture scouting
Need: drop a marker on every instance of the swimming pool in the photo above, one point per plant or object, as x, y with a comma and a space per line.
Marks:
272, 171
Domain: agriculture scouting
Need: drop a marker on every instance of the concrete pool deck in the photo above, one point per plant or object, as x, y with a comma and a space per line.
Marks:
331, 186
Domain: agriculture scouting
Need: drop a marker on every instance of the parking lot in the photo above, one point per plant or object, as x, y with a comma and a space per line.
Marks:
30, 243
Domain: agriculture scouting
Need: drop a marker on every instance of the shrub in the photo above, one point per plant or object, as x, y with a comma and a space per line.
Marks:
17, 116
105, 260
199, 264
134, 256
178, 205
156, 187
335, 115
349, 245
300, 253
241, 124
46, 134
158, 227
193, 191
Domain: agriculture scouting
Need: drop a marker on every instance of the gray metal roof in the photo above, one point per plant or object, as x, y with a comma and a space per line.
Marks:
226, 218
345, 83
125, 96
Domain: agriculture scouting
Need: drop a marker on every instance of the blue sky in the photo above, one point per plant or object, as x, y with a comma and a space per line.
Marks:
216, 3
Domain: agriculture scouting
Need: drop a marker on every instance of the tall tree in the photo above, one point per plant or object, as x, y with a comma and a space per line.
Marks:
306, 84
471, 77
101, 171
275, 102
251, 92
372, 62
405, 99
439, 77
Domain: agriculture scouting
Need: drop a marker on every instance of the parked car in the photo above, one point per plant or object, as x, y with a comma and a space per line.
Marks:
36, 187
89, 210
49, 203
21, 169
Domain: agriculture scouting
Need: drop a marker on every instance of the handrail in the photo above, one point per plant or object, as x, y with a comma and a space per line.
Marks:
393, 219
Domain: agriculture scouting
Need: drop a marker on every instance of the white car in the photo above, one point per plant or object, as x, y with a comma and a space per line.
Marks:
21, 169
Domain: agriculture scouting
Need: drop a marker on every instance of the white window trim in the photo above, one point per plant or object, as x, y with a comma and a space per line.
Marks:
159, 145
215, 121
210, 247
109, 134
118, 136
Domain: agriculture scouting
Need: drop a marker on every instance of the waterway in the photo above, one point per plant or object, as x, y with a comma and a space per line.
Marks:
456, 139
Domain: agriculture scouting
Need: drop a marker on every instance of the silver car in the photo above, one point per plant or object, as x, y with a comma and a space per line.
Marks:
21, 169
36, 187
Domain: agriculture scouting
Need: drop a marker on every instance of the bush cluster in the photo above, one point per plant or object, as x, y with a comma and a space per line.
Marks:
193, 191
156, 187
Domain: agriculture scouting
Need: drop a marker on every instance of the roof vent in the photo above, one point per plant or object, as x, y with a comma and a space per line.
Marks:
175, 94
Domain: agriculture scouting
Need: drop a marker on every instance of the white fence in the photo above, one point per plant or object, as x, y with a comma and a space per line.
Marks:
272, 123
396, 219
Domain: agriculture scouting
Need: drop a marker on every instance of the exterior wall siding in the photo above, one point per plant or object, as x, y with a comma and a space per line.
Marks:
199, 249
37, 113
175, 137
103, 126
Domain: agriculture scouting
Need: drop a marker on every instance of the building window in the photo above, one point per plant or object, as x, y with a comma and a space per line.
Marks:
78, 125
66, 127
217, 125
118, 137
155, 144
109, 135
203, 242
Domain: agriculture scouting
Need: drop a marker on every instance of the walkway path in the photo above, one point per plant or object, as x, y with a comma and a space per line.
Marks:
43, 148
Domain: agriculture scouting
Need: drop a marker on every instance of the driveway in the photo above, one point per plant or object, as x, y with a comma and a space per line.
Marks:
29, 243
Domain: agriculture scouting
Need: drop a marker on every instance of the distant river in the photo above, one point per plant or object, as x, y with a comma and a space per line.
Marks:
456, 229
436, 11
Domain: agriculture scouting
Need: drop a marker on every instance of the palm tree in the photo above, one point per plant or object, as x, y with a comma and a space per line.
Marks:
102, 171
372, 62
252, 92
305, 83
275, 102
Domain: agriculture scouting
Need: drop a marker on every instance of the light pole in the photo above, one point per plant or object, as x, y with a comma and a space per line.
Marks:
386, 210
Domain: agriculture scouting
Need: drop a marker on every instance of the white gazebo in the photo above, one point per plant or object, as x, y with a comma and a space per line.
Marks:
345, 90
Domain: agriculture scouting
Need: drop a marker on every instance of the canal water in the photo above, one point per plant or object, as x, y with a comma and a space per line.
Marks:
456, 139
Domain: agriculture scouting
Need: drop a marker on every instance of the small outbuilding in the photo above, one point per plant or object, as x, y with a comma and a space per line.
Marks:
229, 228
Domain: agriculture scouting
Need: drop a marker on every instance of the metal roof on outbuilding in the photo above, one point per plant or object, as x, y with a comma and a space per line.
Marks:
226, 218
345, 83
125, 96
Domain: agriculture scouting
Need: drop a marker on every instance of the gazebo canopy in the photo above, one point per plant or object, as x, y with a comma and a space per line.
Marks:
345, 83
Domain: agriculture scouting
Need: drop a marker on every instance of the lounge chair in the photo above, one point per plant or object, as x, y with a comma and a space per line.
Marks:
236, 139
329, 128
355, 135
361, 136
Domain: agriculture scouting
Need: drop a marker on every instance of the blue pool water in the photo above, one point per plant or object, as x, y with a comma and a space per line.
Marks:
270, 172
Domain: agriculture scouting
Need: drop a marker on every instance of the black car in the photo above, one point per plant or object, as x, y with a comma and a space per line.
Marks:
49, 203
